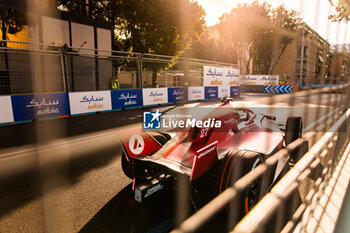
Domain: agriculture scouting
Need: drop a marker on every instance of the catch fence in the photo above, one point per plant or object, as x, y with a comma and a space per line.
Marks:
73, 69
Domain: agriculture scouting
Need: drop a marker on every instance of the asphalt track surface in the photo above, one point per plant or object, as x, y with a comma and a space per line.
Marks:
92, 194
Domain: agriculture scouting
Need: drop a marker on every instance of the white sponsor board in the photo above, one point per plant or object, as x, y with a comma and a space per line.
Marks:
195, 93
220, 76
152, 96
224, 91
6, 114
92, 101
259, 79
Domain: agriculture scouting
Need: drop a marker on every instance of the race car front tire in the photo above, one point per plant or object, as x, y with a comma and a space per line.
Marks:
294, 129
235, 165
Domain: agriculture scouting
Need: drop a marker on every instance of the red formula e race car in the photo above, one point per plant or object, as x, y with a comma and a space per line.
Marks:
225, 145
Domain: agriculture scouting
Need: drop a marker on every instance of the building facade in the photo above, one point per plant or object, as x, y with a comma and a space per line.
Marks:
305, 60
339, 67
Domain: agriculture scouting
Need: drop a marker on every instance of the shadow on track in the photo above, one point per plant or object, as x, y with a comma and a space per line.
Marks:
123, 214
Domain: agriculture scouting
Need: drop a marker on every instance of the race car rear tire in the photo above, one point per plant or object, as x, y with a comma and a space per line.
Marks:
294, 129
235, 165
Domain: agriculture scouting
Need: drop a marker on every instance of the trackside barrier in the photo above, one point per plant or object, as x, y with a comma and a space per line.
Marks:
131, 98
40, 106
177, 94
278, 89
154, 96
328, 142
6, 114
20, 108
89, 102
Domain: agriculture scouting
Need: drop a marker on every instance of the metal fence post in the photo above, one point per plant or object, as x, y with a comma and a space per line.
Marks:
139, 78
186, 67
63, 56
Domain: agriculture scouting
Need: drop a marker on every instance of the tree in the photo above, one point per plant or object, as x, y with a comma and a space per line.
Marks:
12, 22
209, 46
258, 34
166, 27
342, 11
275, 39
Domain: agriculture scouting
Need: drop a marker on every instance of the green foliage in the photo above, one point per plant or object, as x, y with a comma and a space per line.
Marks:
342, 12
12, 21
165, 27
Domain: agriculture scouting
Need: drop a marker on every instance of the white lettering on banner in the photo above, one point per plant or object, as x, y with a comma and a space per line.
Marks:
259, 79
48, 110
6, 114
130, 102
153, 96
220, 76
34, 103
224, 91
86, 102
195, 93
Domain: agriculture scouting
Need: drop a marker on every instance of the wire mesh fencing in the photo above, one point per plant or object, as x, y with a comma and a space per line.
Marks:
63, 69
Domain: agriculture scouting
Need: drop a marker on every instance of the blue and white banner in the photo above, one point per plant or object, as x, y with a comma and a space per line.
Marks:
40, 106
278, 89
259, 80
88, 102
211, 92
220, 76
6, 114
126, 98
176, 94
234, 91
152, 96
195, 93
224, 91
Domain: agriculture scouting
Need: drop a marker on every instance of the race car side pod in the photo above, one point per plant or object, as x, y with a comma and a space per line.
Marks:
148, 188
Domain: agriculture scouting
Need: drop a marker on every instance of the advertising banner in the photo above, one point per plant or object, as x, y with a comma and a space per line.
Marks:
40, 106
195, 93
6, 114
88, 102
220, 76
234, 91
152, 96
126, 98
211, 92
224, 91
259, 80
176, 94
